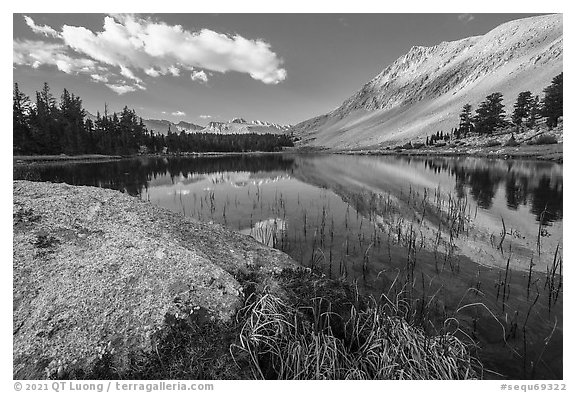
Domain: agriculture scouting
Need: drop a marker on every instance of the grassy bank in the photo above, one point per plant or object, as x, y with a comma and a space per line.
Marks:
27, 159
539, 143
533, 152
18, 159
306, 327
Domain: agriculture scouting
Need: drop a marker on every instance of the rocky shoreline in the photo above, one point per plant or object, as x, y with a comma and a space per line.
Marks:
99, 272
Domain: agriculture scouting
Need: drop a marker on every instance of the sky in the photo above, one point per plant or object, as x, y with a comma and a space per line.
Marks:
281, 68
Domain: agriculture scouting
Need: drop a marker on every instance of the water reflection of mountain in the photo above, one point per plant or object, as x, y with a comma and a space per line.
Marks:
134, 175
535, 184
243, 179
367, 183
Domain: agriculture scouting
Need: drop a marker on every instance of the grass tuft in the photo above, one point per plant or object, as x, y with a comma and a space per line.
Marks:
360, 341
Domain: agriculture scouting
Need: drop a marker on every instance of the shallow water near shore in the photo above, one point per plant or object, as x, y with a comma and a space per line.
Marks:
471, 243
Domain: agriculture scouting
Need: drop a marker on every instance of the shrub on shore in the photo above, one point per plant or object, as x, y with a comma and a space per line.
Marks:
512, 142
545, 139
309, 327
367, 344
492, 143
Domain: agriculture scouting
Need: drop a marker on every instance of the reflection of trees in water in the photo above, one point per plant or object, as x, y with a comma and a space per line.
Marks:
481, 182
516, 191
532, 185
547, 201
524, 184
483, 186
125, 175
133, 175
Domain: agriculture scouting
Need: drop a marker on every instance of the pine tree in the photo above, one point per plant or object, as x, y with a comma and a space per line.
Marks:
490, 114
43, 122
465, 120
534, 113
552, 105
20, 121
522, 108
72, 134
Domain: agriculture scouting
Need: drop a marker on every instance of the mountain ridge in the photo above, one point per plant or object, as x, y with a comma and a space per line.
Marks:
424, 90
161, 125
234, 126
241, 126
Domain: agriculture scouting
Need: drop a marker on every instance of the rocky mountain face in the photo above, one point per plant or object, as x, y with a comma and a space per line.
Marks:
241, 126
217, 127
424, 90
235, 126
268, 124
162, 126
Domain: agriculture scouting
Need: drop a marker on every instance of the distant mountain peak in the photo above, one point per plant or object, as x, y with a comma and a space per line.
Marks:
161, 126
239, 125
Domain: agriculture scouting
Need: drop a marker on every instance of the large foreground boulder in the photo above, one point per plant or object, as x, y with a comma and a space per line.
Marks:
98, 271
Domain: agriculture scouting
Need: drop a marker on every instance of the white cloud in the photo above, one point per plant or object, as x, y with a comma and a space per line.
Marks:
199, 76
121, 89
99, 78
134, 44
152, 72
175, 71
178, 113
205, 116
125, 72
465, 18
37, 53
44, 30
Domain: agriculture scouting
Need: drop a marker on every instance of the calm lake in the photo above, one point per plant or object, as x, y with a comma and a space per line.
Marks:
470, 244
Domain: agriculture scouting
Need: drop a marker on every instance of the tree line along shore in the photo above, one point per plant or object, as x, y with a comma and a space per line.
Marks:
532, 130
490, 119
60, 130
49, 126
